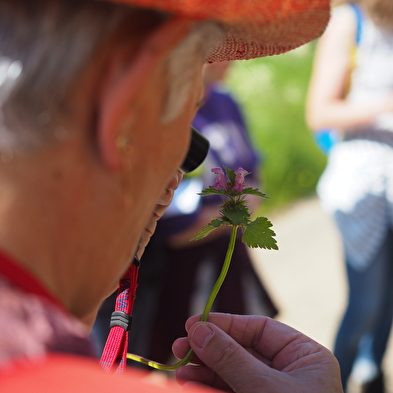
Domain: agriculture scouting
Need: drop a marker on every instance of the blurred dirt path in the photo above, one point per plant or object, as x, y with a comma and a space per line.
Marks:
306, 277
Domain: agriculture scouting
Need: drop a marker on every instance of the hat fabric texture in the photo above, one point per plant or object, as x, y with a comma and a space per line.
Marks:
253, 28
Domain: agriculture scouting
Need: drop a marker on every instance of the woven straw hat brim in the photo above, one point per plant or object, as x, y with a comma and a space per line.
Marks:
253, 28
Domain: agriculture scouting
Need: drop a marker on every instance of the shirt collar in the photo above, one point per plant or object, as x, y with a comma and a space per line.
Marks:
24, 280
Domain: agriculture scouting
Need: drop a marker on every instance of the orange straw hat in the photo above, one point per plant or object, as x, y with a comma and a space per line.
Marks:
254, 28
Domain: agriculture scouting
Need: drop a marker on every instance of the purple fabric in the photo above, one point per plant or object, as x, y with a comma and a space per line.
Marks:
220, 120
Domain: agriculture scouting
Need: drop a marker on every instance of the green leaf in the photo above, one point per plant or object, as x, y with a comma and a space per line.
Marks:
254, 191
212, 191
259, 234
214, 224
238, 216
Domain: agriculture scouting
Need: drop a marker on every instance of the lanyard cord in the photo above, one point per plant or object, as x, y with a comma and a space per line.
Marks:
116, 346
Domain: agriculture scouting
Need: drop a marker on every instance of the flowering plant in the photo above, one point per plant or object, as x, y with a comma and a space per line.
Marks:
234, 212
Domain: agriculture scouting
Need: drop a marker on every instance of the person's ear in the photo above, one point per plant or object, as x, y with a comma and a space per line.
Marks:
122, 85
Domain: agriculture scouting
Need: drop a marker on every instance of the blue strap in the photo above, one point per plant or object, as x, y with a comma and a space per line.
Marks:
359, 20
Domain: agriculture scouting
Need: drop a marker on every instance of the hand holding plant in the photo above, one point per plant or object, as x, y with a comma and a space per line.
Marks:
234, 212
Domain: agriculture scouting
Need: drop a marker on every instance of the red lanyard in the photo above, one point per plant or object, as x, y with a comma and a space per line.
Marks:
114, 355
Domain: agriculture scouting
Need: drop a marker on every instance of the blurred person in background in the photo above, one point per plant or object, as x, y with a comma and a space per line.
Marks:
351, 92
177, 274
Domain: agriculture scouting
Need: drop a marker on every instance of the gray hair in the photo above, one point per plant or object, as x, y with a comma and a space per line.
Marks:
46, 45
197, 45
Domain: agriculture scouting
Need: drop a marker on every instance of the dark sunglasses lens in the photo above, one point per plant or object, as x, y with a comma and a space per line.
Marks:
197, 152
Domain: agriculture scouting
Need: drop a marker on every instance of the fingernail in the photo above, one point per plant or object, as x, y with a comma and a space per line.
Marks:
201, 335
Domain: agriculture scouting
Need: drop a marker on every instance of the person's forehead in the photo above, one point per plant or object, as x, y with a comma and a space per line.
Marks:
253, 28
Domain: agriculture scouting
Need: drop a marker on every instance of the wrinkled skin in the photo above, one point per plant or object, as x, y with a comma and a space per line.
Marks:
254, 354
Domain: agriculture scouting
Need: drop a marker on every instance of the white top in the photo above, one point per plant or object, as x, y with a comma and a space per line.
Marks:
373, 76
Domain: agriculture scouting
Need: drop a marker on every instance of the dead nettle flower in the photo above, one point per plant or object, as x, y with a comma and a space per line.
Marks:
222, 182
239, 179
234, 211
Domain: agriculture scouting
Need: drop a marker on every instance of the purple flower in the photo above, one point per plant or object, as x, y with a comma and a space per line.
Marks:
221, 180
239, 179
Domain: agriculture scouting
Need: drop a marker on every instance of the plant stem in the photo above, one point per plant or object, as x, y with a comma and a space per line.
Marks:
205, 314
221, 277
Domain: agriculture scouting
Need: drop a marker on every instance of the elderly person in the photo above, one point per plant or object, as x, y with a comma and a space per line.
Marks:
96, 103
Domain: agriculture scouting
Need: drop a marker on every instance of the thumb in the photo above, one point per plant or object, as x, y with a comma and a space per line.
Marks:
233, 363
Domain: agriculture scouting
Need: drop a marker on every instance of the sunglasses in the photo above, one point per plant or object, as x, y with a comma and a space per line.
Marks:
197, 152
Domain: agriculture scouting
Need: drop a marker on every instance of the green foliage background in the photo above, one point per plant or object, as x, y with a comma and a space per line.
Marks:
272, 92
